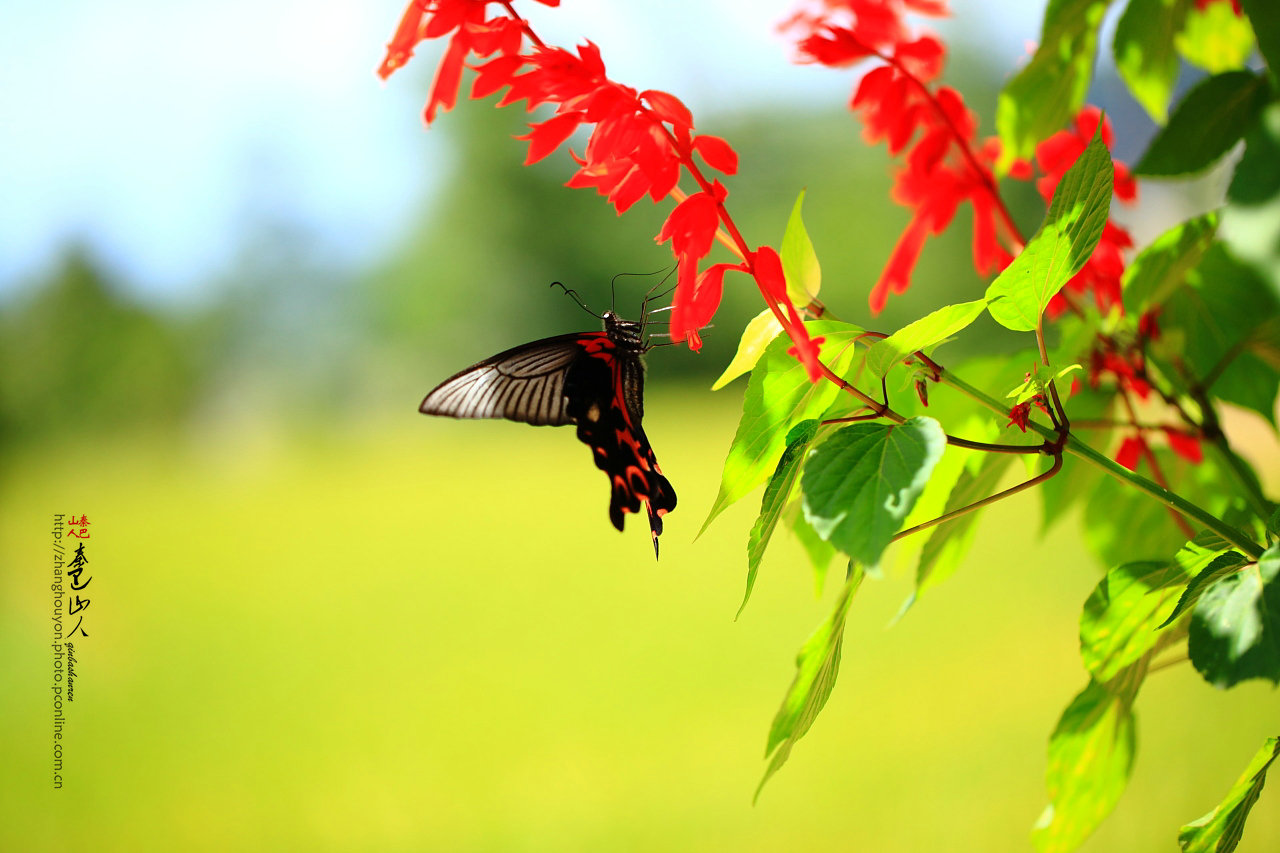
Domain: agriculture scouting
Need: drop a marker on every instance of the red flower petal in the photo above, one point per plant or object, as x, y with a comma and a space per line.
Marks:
444, 88
923, 57
691, 226
806, 350
897, 272
629, 190
549, 135
668, 108
495, 74
769, 275
1018, 416
718, 153
407, 35
1131, 450
693, 308
1185, 445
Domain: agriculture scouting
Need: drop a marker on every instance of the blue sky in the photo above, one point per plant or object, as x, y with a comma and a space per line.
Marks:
161, 133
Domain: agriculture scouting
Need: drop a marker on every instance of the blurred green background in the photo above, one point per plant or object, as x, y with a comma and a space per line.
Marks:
320, 621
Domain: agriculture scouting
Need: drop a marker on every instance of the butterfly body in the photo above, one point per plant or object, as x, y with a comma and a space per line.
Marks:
594, 380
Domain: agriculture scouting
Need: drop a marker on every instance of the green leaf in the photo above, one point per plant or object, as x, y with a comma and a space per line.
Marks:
1046, 94
1235, 628
1206, 326
1195, 556
779, 395
1162, 267
1251, 220
1121, 524
1090, 757
925, 332
1216, 38
1221, 829
1120, 620
862, 481
1265, 20
816, 668
1224, 564
1206, 124
1060, 248
950, 541
1144, 51
799, 261
776, 494
758, 334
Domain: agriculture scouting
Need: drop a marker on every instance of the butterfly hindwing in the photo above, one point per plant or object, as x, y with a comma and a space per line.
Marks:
605, 393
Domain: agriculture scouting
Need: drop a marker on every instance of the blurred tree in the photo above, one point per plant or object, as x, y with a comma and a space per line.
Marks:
76, 354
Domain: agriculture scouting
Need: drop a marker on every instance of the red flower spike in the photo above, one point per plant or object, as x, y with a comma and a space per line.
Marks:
1185, 445
717, 153
549, 135
1131, 450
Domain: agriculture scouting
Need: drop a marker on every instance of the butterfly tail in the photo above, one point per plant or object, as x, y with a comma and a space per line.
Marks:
655, 526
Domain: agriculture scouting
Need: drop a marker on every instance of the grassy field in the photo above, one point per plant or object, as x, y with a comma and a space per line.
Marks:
428, 637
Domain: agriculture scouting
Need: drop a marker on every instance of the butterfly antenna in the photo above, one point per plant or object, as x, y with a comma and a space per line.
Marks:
573, 294
613, 284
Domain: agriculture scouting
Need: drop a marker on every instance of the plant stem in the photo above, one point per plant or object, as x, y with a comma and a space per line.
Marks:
1080, 450
977, 505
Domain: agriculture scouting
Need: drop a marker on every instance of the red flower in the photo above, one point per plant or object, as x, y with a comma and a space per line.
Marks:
1184, 444
943, 169
1101, 274
1131, 450
465, 19
1018, 416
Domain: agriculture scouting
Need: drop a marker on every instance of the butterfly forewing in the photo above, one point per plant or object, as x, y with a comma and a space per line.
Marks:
525, 383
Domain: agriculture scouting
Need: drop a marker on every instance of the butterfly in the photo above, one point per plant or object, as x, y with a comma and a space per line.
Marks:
594, 380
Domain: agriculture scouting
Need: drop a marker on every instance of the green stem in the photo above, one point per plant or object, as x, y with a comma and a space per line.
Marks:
1080, 450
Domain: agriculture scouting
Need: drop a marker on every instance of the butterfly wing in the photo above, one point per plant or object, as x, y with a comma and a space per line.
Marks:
605, 393
525, 383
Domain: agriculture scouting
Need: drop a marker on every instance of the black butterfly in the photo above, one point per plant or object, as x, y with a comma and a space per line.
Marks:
592, 379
